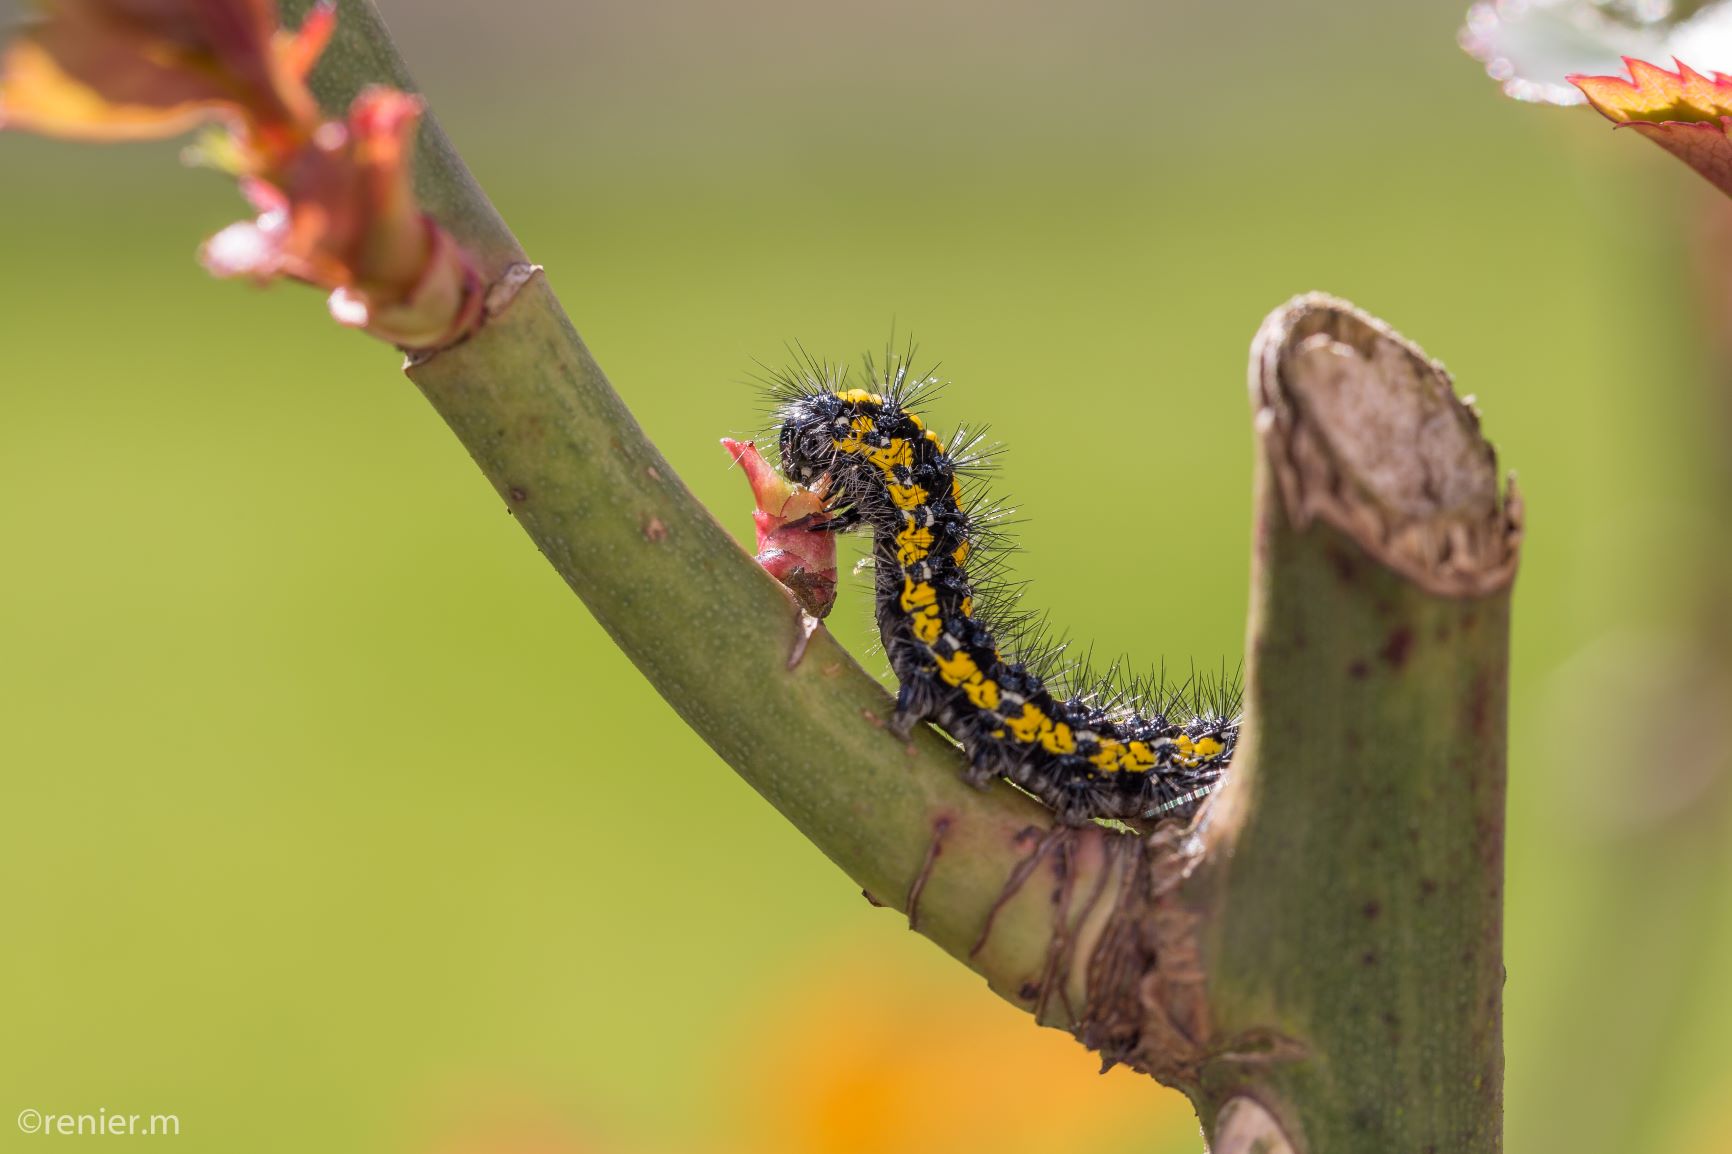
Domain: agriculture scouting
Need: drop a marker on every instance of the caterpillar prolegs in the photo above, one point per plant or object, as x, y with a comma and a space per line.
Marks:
1085, 753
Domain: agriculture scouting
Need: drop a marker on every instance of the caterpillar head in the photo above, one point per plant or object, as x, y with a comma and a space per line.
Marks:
822, 434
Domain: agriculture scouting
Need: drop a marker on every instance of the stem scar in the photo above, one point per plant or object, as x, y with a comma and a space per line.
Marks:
933, 848
1015, 881
1051, 976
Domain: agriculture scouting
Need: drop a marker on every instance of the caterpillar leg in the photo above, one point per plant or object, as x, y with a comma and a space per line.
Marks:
1078, 797
832, 522
916, 701
986, 761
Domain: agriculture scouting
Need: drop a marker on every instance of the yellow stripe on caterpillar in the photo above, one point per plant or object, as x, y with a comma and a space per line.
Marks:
982, 691
960, 670
926, 625
1057, 738
907, 496
899, 451
1033, 726
1116, 756
1025, 726
913, 544
916, 594
956, 668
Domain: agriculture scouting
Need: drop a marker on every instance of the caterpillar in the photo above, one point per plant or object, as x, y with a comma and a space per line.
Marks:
956, 646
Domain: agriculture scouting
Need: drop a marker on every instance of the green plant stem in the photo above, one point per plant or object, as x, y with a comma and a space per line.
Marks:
710, 630
1352, 894
1361, 911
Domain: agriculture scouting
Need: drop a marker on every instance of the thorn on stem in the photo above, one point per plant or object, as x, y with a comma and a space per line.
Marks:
803, 630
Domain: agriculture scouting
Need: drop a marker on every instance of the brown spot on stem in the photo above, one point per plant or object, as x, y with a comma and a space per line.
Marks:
654, 530
1479, 708
1398, 647
871, 900
1028, 991
1343, 565
1372, 910
650, 470
518, 494
1359, 671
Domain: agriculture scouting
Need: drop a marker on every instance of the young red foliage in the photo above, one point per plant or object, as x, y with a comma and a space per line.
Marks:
333, 196
792, 545
1687, 113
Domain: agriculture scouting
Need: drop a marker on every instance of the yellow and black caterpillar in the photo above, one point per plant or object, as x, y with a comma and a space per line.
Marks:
1086, 754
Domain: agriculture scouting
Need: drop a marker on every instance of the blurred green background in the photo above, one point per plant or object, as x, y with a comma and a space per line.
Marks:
323, 820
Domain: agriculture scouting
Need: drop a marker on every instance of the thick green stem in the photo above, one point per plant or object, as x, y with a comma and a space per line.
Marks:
1361, 913
712, 632
1319, 963
1353, 885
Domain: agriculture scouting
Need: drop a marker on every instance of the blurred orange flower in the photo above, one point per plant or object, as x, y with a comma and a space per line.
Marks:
333, 196
862, 1055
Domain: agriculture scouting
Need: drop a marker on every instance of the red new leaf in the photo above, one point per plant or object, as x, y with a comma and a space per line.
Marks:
1685, 112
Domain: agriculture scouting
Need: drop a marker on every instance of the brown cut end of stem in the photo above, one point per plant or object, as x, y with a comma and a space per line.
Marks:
1365, 432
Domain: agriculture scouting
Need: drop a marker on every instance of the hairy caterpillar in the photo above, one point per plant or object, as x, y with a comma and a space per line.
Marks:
953, 645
